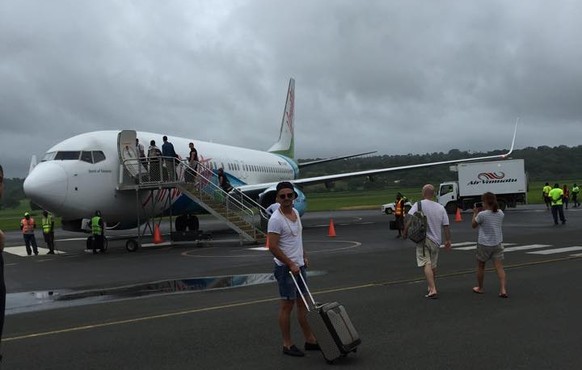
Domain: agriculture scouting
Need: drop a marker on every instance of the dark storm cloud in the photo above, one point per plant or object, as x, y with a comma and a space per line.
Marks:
397, 77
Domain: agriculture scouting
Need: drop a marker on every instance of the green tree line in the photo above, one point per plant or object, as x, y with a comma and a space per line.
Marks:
543, 163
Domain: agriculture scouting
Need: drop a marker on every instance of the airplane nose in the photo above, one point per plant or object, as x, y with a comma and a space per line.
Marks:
47, 185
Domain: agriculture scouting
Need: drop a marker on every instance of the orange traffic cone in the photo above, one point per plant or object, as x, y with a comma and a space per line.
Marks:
157, 235
458, 217
331, 232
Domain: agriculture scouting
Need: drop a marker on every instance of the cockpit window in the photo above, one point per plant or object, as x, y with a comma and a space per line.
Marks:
95, 156
67, 155
49, 156
86, 157
98, 156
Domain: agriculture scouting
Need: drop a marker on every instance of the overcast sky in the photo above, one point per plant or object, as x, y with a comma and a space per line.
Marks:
398, 77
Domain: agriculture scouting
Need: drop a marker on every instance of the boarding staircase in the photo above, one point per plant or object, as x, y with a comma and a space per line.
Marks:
237, 210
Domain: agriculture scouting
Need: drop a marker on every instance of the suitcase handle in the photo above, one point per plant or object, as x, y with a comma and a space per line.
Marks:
300, 292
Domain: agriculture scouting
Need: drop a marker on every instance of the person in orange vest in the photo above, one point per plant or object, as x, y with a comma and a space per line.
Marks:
27, 225
399, 213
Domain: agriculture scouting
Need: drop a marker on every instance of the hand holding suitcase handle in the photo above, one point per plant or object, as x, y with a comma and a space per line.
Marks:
300, 292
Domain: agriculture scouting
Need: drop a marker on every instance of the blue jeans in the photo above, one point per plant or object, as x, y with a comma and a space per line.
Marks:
29, 240
287, 289
558, 209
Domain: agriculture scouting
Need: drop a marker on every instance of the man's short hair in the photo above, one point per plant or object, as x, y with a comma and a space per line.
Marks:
165, 138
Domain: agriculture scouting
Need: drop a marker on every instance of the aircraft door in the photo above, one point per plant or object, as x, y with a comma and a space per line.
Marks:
128, 156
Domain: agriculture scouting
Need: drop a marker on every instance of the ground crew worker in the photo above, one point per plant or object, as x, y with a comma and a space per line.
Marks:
399, 213
546, 195
27, 225
556, 196
97, 231
48, 231
575, 191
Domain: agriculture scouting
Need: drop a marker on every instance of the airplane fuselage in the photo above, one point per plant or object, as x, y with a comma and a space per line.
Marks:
81, 175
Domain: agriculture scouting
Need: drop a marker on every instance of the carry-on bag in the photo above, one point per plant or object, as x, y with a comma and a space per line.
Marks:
331, 325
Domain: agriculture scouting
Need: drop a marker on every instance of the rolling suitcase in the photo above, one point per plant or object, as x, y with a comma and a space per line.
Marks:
331, 325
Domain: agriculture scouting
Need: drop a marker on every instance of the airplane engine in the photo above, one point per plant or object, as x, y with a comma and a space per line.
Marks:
269, 197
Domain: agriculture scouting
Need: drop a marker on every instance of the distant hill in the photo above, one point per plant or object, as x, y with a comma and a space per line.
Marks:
542, 164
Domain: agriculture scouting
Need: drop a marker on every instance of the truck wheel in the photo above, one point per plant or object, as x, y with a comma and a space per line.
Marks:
451, 208
131, 245
502, 205
388, 211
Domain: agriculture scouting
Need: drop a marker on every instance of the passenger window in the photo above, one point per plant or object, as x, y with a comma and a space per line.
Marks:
86, 157
98, 156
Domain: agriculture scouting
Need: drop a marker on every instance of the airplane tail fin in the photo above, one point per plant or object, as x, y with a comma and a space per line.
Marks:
286, 143
32, 163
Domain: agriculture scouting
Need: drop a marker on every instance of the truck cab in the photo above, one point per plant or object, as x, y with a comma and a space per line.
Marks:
448, 196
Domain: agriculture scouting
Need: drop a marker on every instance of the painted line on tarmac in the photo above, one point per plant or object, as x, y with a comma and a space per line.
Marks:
354, 244
265, 300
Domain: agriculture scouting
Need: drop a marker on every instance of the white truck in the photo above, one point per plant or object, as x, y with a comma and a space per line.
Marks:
506, 179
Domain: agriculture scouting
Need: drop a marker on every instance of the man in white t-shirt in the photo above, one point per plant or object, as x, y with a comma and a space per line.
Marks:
427, 251
286, 244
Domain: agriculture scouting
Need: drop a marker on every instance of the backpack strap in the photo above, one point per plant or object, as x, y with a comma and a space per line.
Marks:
424, 241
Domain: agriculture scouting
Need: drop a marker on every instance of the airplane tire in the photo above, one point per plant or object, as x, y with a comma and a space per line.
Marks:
193, 223
131, 245
181, 223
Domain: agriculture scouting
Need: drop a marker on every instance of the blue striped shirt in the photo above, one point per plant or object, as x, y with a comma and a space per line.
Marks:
490, 233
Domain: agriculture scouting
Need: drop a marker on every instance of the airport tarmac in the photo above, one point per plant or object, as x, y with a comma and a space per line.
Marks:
112, 318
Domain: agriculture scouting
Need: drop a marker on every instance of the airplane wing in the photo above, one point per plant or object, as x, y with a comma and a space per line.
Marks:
256, 188
305, 164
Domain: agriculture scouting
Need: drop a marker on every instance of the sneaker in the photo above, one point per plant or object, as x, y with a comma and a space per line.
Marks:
293, 351
51, 252
312, 346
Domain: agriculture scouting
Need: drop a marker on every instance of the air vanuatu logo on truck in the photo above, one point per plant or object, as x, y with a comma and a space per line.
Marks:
491, 178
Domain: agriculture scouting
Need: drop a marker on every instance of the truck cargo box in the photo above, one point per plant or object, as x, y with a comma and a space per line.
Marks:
498, 177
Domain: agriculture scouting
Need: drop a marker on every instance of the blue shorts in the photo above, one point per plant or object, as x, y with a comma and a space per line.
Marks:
287, 288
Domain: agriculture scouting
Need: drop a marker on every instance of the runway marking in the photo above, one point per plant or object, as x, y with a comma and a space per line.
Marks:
21, 251
454, 245
474, 246
354, 244
557, 250
526, 247
264, 300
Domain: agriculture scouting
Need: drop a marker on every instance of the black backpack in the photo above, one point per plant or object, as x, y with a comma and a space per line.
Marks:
417, 225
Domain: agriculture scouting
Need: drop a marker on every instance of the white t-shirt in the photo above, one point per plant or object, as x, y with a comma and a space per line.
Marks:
290, 238
272, 208
436, 216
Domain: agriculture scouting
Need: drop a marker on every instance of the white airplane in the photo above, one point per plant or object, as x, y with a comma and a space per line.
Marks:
82, 174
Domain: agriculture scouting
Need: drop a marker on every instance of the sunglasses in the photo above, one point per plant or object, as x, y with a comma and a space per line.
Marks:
287, 195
